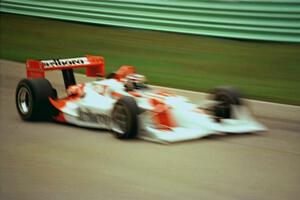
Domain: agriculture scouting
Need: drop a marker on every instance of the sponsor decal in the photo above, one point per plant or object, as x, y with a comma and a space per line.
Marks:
64, 62
89, 116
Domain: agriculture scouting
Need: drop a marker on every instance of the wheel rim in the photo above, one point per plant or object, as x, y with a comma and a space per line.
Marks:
119, 116
24, 100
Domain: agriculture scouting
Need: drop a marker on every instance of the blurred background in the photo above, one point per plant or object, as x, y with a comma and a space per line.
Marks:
194, 45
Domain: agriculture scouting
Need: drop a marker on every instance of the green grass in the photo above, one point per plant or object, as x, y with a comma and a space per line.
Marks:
261, 70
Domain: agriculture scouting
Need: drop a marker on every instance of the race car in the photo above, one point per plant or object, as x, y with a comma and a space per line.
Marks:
125, 105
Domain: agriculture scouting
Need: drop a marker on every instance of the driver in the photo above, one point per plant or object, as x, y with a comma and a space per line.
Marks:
135, 81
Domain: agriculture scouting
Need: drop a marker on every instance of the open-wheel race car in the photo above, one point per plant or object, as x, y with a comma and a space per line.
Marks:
125, 105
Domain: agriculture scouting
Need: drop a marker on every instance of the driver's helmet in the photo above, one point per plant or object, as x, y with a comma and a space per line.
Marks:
138, 80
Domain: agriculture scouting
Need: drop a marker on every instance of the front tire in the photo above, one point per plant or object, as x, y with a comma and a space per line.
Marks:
226, 97
125, 118
32, 99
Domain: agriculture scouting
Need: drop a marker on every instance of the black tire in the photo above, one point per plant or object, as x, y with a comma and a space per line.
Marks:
125, 118
226, 97
32, 99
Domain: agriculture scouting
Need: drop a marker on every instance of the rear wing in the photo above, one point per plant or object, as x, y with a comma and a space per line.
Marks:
94, 67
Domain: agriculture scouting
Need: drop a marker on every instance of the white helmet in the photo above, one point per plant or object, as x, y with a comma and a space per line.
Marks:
137, 80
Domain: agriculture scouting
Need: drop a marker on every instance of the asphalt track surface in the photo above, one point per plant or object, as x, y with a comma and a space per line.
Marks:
54, 161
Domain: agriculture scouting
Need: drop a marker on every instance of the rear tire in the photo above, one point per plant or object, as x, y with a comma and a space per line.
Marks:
32, 99
226, 97
125, 118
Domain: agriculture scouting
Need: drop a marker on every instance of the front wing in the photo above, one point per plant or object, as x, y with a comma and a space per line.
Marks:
242, 122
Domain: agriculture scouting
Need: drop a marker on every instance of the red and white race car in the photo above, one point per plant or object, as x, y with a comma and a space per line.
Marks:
125, 105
